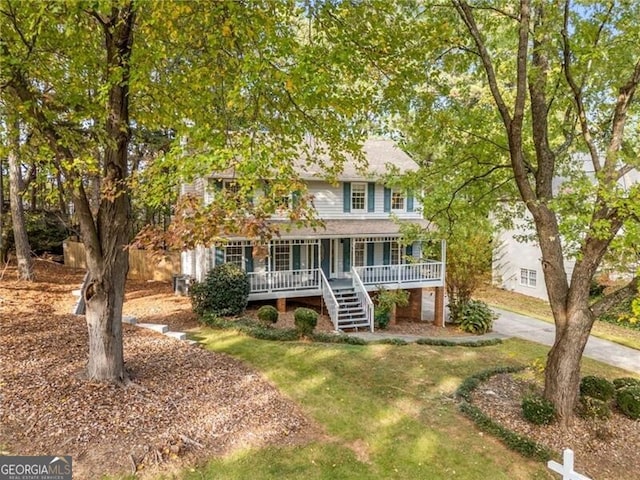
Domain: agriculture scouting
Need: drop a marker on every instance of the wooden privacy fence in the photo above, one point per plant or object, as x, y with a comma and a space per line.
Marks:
143, 265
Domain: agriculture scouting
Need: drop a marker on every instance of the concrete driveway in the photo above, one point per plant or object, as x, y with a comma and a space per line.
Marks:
512, 324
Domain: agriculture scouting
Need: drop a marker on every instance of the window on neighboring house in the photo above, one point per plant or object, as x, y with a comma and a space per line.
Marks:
358, 197
281, 258
397, 200
528, 277
358, 254
396, 253
234, 254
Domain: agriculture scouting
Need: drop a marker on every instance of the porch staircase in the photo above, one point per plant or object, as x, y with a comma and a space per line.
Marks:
351, 313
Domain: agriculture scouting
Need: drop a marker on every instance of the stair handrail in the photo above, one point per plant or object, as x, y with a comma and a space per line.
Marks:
362, 294
329, 299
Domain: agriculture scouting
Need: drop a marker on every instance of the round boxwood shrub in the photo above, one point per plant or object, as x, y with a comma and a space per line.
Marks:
628, 400
626, 382
477, 317
224, 292
597, 387
538, 410
592, 408
268, 314
305, 320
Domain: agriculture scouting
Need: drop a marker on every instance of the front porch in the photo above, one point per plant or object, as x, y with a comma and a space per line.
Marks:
341, 270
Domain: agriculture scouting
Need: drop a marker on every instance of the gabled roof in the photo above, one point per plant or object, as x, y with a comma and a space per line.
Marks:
379, 155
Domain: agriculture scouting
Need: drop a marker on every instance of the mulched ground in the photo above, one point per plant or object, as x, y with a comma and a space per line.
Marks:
603, 450
183, 405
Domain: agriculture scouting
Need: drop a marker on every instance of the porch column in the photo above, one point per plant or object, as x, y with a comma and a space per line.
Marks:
438, 311
281, 305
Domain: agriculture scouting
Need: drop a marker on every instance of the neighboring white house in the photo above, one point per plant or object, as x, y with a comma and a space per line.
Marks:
358, 250
517, 260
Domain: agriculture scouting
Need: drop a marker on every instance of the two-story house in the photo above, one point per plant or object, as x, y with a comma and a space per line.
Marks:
359, 249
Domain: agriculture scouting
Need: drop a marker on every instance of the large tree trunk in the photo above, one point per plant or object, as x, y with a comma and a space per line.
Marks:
106, 239
562, 372
104, 298
16, 188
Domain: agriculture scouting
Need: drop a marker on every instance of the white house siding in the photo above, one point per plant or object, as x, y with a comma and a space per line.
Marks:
329, 203
511, 256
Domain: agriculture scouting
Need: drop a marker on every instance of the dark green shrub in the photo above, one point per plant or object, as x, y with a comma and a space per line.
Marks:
382, 318
305, 320
626, 382
477, 317
628, 400
592, 408
268, 314
597, 387
537, 410
224, 292
386, 300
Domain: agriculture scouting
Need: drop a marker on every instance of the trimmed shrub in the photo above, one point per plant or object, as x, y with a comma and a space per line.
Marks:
268, 314
538, 410
224, 292
626, 382
628, 400
381, 318
305, 320
597, 387
592, 408
477, 317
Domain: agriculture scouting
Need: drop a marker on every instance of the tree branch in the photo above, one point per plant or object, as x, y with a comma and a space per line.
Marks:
577, 90
606, 303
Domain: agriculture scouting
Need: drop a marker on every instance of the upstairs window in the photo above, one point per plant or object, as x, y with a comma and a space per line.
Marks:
528, 277
398, 201
358, 197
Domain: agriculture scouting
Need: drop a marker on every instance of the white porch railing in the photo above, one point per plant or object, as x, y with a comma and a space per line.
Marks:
430, 271
363, 296
329, 300
265, 282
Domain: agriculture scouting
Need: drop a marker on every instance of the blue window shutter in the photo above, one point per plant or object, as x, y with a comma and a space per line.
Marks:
387, 199
410, 201
248, 259
408, 251
219, 255
386, 253
370, 251
296, 257
346, 255
325, 262
295, 200
346, 190
371, 197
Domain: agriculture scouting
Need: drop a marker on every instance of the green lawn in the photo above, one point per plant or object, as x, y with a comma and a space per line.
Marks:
536, 308
386, 411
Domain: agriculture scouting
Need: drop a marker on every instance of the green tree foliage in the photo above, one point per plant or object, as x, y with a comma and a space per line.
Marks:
530, 106
227, 86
